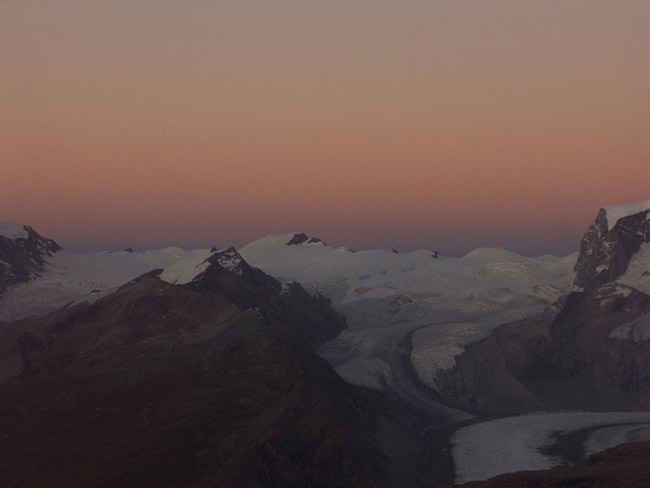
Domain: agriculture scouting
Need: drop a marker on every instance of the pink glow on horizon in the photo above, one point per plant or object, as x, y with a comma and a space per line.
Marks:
446, 125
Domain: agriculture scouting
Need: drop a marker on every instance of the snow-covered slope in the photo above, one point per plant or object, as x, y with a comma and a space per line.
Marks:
72, 277
637, 330
638, 270
13, 230
349, 276
614, 213
23, 253
438, 302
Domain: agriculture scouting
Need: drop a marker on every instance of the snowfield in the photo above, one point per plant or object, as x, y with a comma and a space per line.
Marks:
76, 277
439, 304
637, 274
487, 449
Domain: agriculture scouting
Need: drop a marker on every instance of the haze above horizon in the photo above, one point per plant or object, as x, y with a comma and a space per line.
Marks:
442, 125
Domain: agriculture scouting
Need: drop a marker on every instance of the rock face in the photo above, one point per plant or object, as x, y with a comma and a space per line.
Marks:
568, 358
605, 253
23, 253
301, 238
298, 239
309, 318
213, 383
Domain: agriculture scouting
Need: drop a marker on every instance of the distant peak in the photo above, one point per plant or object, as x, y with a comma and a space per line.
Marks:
302, 238
14, 231
492, 252
230, 259
298, 239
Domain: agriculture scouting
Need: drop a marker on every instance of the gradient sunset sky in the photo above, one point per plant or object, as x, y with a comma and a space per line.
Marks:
447, 125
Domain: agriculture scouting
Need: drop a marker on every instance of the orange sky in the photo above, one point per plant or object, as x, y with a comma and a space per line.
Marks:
439, 124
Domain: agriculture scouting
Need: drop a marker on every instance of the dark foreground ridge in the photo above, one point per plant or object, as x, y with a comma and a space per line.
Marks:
189, 386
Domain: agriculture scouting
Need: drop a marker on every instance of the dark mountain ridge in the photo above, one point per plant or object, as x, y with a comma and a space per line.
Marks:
23, 255
213, 383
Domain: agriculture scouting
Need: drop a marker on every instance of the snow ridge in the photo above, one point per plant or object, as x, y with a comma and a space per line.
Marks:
445, 303
13, 230
616, 212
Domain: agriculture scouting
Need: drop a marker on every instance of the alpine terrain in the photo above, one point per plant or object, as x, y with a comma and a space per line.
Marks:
290, 362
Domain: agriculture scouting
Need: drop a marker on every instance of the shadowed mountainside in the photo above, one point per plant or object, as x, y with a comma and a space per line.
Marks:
165, 385
22, 255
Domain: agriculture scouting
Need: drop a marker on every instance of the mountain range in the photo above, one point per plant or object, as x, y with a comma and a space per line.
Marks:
290, 362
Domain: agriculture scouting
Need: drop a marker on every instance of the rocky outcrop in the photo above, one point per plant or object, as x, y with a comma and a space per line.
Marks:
23, 254
309, 318
605, 253
301, 238
298, 239
563, 361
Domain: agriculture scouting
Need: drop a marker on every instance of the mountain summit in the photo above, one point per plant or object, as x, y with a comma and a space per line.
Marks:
611, 242
590, 351
23, 253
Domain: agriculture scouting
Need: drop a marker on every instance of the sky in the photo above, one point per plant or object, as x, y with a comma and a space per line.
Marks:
444, 125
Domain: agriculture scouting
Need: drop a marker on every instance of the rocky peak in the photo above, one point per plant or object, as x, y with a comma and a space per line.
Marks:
22, 253
298, 239
308, 317
610, 242
304, 239
231, 260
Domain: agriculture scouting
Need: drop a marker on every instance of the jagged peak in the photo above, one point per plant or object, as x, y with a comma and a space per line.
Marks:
25, 235
229, 259
608, 246
302, 238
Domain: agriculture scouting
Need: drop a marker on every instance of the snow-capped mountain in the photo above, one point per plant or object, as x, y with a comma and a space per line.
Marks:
491, 331
611, 244
309, 317
63, 278
23, 253
592, 352
412, 312
406, 312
